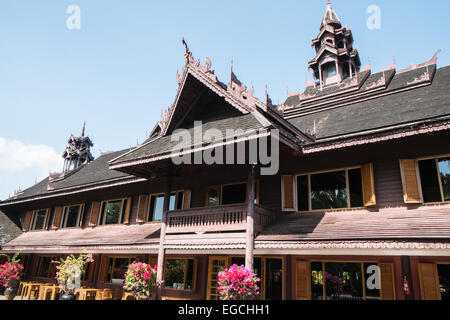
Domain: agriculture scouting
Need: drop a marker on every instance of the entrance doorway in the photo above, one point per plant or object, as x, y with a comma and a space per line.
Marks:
268, 269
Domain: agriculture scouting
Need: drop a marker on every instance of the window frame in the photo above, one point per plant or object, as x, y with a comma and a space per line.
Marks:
360, 262
64, 216
102, 215
33, 220
262, 276
177, 193
347, 183
194, 273
438, 172
104, 277
50, 271
220, 187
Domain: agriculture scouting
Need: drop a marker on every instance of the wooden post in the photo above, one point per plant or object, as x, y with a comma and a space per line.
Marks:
250, 243
320, 77
161, 252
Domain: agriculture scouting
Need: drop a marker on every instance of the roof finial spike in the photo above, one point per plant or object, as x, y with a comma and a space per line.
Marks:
84, 129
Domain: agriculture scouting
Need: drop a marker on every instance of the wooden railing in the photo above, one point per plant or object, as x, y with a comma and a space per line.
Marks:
216, 219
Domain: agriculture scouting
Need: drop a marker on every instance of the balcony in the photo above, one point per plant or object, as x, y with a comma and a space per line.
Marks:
230, 218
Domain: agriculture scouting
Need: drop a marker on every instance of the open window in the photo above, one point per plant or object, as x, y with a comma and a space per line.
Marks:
341, 189
227, 194
39, 219
68, 217
435, 179
156, 204
114, 212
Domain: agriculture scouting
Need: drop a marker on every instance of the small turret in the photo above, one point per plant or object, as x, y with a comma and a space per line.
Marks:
78, 152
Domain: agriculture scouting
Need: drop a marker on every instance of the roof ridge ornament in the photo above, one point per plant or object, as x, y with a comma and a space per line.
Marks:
432, 61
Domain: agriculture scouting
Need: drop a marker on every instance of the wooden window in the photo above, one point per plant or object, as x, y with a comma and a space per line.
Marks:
410, 181
95, 213
345, 281
429, 281
156, 207
234, 194
287, 192
227, 194
27, 221
303, 280
71, 216
143, 208
113, 269
39, 220
269, 269
57, 218
114, 212
213, 196
435, 179
187, 199
88, 274
179, 274
45, 267
387, 281
444, 280
368, 186
341, 189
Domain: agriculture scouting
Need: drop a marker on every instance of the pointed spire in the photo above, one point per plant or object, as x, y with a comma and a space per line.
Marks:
84, 129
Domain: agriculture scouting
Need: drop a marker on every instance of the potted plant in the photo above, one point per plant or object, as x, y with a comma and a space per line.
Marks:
140, 280
238, 283
10, 274
69, 272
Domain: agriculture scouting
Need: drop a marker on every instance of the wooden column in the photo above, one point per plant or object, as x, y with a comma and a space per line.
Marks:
250, 243
406, 269
320, 77
161, 252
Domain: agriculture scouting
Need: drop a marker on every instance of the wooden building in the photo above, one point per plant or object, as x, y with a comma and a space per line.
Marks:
359, 207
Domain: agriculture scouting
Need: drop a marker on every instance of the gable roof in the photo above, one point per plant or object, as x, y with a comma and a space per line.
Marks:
251, 114
96, 173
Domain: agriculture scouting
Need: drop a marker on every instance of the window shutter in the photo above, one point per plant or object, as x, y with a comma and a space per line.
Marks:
303, 280
368, 185
387, 281
104, 264
47, 219
288, 193
80, 223
412, 189
143, 208
127, 212
187, 199
57, 218
429, 281
27, 221
95, 212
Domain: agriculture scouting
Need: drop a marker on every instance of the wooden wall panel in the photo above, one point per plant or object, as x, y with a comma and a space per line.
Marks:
429, 281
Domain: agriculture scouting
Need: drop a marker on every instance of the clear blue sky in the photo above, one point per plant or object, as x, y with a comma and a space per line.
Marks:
118, 71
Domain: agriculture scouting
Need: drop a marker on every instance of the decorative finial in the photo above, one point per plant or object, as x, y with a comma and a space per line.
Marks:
84, 129
185, 45
231, 70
